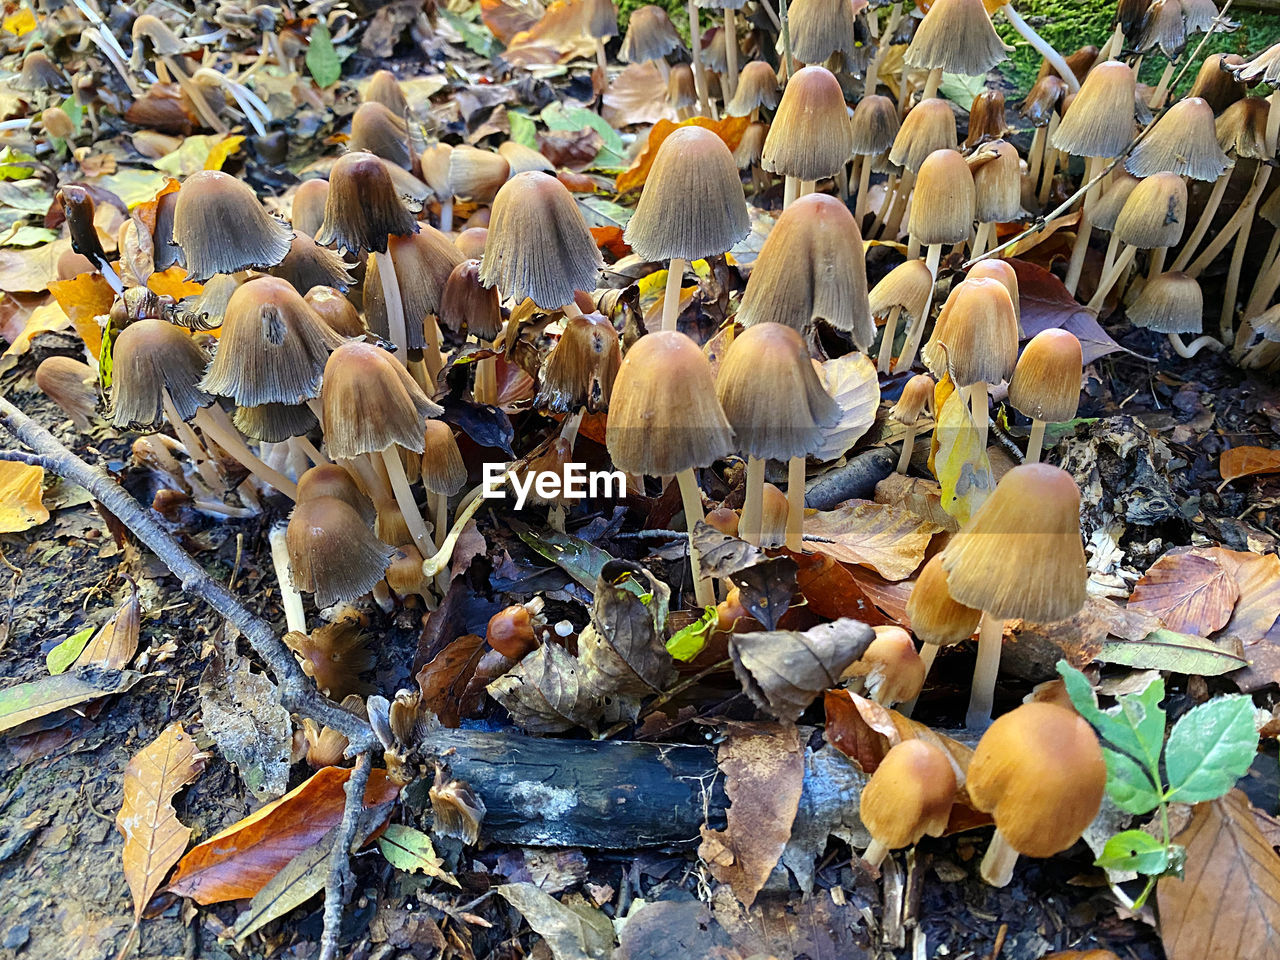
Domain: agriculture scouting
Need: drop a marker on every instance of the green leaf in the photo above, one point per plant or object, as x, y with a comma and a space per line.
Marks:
1173, 652
322, 59
1210, 748
477, 38
1128, 785
612, 155
580, 559
688, 642
960, 89
1134, 850
61, 657
13, 164
524, 130
410, 850
29, 236
1136, 726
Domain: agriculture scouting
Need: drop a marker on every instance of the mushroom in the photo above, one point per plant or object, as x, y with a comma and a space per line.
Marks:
334, 655
1182, 141
652, 36
955, 36
580, 371
470, 242
1115, 193
907, 288
168, 48
889, 671
435, 162
221, 227
467, 305
757, 87
1019, 555
336, 311
916, 398
875, 126
928, 127
682, 91
384, 88
1172, 303
909, 794
811, 137
937, 618
1039, 772
307, 210
729, 33
72, 385
332, 551
307, 265
1215, 83
986, 118
78, 208
993, 268
1041, 106
331, 480
821, 28
377, 129
443, 473
601, 25
521, 158
997, 184
1152, 218
1046, 383
774, 513
692, 207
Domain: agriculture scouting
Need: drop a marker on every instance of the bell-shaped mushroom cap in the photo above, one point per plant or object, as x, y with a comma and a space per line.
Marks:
773, 517
811, 136
820, 28
153, 357
164, 42
1099, 121
664, 416
582, 367
332, 551
307, 211
908, 286
1039, 771
443, 471
980, 331
1043, 99
957, 36
1217, 84
274, 422
928, 127
681, 90
1162, 29
692, 205
936, 616
750, 149
909, 794
1020, 554
79, 209
915, 398
384, 88
434, 161
1046, 381
38, 73
601, 19
993, 268
273, 346
57, 123
943, 201
650, 35
538, 245
521, 158
1155, 213
222, 228
362, 208
771, 394
757, 87
470, 242
1116, 189
371, 402
423, 262
892, 669
467, 304
1169, 303
71, 384
811, 266
997, 182
381, 131
714, 56
336, 311
986, 118
307, 265
875, 125
331, 480
1241, 130
1183, 141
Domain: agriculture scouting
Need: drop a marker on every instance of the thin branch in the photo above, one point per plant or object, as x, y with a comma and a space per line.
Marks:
340, 876
30, 459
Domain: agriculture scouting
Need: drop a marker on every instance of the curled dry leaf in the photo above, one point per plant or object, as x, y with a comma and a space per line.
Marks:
921, 496
39, 698
766, 589
783, 671
1258, 577
637, 95
623, 653
545, 692
21, 487
831, 590
890, 540
1189, 592
1248, 461
853, 383
721, 555
242, 713
571, 930
443, 681
153, 836
114, 645
506, 18
83, 298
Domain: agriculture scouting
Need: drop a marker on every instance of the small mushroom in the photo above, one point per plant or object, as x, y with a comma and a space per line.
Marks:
1046, 383
916, 398
890, 670
72, 385
910, 794
332, 551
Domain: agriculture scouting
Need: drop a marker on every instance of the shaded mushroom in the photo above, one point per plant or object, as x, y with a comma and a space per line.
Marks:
221, 227
1046, 383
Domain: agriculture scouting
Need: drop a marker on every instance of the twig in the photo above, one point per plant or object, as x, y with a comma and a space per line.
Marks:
18, 456
674, 692
335, 888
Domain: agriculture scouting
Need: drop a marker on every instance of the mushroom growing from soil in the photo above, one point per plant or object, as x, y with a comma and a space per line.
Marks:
757, 87
1046, 383
307, 210
811, 137
1152, 218
997, 183
916, 398
467, 305
906, 288
910, 794
889, 671
379, 130
443, 473
335, 310
650, 36
875, 126
221, 227
579, 373
937, 618
1173, 303
332, 551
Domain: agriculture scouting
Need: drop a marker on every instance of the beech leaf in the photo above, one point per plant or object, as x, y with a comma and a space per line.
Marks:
783, 671
1190, 593
571, 932
114, 645
854, 384
890, 540
1247, 461
411, 850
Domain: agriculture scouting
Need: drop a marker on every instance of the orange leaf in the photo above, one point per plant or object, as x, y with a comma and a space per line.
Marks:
21, 487
610, 239
84, 298
728, 129
45, 318
890, 540
174, 283
1190, 593
239, 861
1246, 461
831, 590
146, 211
506, 18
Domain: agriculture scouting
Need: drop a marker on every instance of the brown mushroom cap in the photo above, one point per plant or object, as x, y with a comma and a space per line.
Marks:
682, 91
38, 73
811, 267
1046, 381
1020, 555
332, 551
943, 202
1043, 100
151, 357
907, 286
307, 265
997, 182
928, 127
581, 369
274, 422
986, 118
521, 158
915, 399
909, 794
434, 161
443, 471
993, 268
476, 174
1155, 213
471, 241
937, 617
875, 125
811, 136
381, 131
1116, 189
601, 19
307, 211
1171, 302
957, 36
372, 403
538, 245
664, 416
363, 208
1264, 66
1039, 771
820, 28
467, 304
774, 510
1099, 122
221, 227
384, 88
650, 35
1183, 141
1241, 130
750, 149
757, 87
336, 311
980, 331
892, 669
331, 480
71, 384
423, 262
1216, 84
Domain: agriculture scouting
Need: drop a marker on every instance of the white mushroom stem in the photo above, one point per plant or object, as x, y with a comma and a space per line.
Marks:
790, 190
1264, 287
195, 93
569, 429
904, 458
1109, 278
692, 499
1035, 443
255, 111
1243, 214
221, 431
309, 450
440, 516
916, 332
295, 614
394, 305
99, 39
932, 83
446, 215
749, 526
405, 500
191, 443
998, 864
1035, 156
900, 198
795, 504
671, 296
1085, 227
864, 187
1042, 47
1202, 225
788, 61
983, 693
1050, 162
109, 274
890, 187
1226, 318
928, 653
874, 855
1189, 350
1162, 88
887, 338
986, 230
978, 396
730, 78
435, 564
695, 47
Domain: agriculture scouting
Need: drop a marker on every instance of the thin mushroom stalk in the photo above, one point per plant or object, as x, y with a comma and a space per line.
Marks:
224, 434
406, 501
999, 861
908, 444
795, 504
255, 111
1189, 350
699, 71
982, 695
1085, 228
295, 613
395, 305
671, 295
753, 502
1042, 47
1110, 278
1202, 225
1244, 214
1035, 442
887, 337
195, 449
691, 497
916, 331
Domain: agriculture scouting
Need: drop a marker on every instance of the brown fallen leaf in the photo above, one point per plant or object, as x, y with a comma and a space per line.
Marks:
46, 318
889, 598
443, 681
1032, 650
562, 29
173, 282
1247, 461
1190, 593
30, 270
1046, 303
1258, 576
728, 129
763, 765
153, 836
239, 861
831, 591
890, 540
114, 645
783, 671
854, 384
1227, 906
637, 95
506, 18
21, 487
921, 496
545, 692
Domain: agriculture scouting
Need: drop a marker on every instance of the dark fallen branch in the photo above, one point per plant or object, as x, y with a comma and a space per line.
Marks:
339, 883
856, 480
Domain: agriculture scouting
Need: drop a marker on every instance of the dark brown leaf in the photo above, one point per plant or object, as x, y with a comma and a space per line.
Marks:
546, 693
766, 589
784, 671
721, 555
443, 681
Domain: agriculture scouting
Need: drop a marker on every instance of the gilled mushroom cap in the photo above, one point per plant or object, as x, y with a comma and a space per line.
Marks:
206, 309
371, 403
1163, 29
1116, 189
771, 394
538, 245
750, 149
811, 136
221, 227
757, 87
521, 158
928, 127
1099, 122
273, 346
336, 311
274, 422
468, 304
875, 125
909, 794
943, 202
986, 118
443, 471
423, 262
1169, 303
650, 35
1020, 555
664, 416
993, 268
601, 19
892, 669
1155, 213
57, 123
714, 56
71, 384
153, 357
307, 212
377, 129
997, 182
476, 174
915, 398
164, 41
1265, 67
307, 265
820, 28
1215, 83
470, 242
434, 161
384, 88
332, 551
582, 367
811, 266
1183, 141
681, 90
331, 480
38, 73
980, 331
1241, 130
692, 205
363, 208
1043, 99
936, 616
1039, 771
1080, 62
1046, 381
957, 36
907, 286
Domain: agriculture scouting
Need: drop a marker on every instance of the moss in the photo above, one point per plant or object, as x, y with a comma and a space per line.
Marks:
677, 10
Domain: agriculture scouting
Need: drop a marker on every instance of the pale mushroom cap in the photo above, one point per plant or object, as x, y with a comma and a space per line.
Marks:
307, 212
1039, 771
443, 471
466, 302
757, 87
894, 671
928, 127
1099, 122
307, 265
521, 158
811, 136
377, 129
423, 262
1046, 381
221, 227
820, 28
152, 356
470, 242
681, 89
1265, 67
750, 149
331, 480
476, 174
910, 794
993, 268
1116, 189
434, 161
650, 35
907, 286
1155, 213
71, 384
936, 616
1183, 141
1020, 555
957, 36
384, 88
371, 402
943, 201
1169, 303
363, 208
538, 245
917, 395
692, 205
332, 551
1241, 130
875, 125
335, 310
601, 19
582, 367
980, 331
773, 517
997, 182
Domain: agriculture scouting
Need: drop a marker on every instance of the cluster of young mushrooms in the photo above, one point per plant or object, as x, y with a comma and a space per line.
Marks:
342, 330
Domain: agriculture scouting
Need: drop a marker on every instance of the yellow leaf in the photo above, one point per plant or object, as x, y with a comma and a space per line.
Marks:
84, 298
961, 465
44, 319
174, 283
20, 23
728, 129
20, 504
221, 150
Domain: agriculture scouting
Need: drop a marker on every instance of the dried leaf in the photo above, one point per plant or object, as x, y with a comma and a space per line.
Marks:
546, 693
1174, 652
411, 850
1247, 461
721, 555
1046, 303
173, 283
890, 540
242, 713
84, 298
763, 767
959, 462
1190, 593
570, 931
831, 590
506, 18
153, 837
637, 95
1227, 906
443, 680
783, 671
853, 383
114, 645
562, 28
766, 589
30, 270
39, 698
921, 496
728, 129
46, 318
1258, 577
624, 653
21, 487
